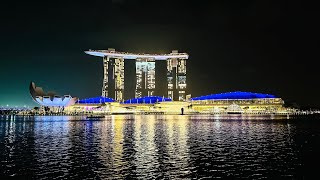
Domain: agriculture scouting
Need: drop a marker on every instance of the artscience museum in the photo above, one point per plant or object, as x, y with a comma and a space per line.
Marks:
50, 99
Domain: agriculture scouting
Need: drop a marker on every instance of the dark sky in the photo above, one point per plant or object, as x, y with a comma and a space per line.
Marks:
257, 46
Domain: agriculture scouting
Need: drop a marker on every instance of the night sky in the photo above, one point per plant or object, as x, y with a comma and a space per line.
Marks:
257, 46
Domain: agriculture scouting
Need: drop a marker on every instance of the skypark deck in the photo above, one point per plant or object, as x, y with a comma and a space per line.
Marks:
126, 55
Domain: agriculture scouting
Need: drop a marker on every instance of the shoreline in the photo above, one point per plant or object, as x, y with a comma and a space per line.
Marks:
186, 114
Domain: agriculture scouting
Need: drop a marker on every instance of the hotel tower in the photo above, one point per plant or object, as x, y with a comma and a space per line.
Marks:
145, 74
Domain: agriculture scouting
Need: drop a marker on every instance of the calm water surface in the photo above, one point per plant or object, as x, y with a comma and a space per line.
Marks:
159, 147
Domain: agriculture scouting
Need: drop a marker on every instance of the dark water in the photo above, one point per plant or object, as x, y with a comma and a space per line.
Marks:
159, 147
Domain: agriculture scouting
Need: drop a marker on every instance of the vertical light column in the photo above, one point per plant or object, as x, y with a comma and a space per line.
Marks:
139, 77
145, 76
105, 77
182, 79
151, 77
119, 78
177, 78
171, 77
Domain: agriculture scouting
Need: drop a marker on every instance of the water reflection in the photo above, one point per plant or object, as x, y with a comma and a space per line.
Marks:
150, 147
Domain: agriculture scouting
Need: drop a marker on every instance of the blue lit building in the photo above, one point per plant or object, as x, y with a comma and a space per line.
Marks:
147, 100
95, 100
242, 101
237, 95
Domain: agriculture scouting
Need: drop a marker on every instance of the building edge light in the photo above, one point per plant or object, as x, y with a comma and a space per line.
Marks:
135, 56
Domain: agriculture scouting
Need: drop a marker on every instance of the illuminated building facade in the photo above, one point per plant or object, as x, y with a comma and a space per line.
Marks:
177, 78
145, 74
50, 99
113, 78
223, 103
145, 77
238, 101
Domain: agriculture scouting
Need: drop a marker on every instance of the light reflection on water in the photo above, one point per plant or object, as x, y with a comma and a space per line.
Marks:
154, 146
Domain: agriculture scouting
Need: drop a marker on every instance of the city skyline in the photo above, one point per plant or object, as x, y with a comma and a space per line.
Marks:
267, 47
170, 89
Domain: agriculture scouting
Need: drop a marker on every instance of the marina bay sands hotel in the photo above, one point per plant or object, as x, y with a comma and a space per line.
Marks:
129, 75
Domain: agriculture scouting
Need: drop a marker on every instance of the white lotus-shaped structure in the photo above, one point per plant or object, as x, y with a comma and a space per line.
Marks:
50, 98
